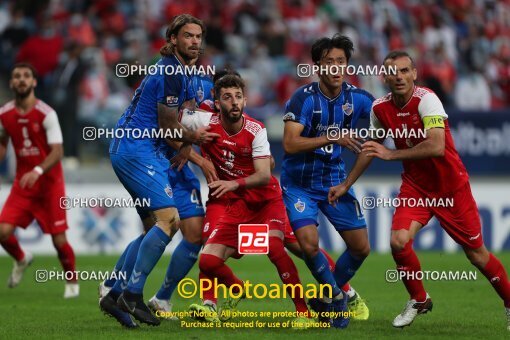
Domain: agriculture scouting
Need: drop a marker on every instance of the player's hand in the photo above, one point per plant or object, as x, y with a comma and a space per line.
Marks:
202, 136
209, 170
375, 149
336, 192
222, 187
29, 179
180, 159
351, 141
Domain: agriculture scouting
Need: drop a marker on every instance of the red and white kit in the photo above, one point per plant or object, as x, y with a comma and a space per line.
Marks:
31, 134
439, 177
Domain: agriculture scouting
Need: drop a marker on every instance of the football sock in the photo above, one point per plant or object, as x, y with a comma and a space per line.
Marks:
287, 271
496, 274
319, 267
346, 266
331, 262
207, 285
213, 266
67, 260
408, 262
151, 249
12, 247
118, 266
183, 258
127, 267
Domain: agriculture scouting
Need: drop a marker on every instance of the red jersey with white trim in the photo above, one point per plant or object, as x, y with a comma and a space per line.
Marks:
233, 156
31, 134
435, 175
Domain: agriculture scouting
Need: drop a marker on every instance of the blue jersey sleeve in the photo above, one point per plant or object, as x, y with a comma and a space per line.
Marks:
366, 100
169, 90
298, 109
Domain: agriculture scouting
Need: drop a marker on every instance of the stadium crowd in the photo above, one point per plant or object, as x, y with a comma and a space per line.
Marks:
460, 47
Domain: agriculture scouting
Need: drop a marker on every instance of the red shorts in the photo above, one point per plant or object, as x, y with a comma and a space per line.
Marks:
222, 219
21, 210
461, 221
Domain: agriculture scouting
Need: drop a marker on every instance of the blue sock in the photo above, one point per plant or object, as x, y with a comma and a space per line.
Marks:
183, 259
127, 267
118, 266
319, 267
345, 268
151, 249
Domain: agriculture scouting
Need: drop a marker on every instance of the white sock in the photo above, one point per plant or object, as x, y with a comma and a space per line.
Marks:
351, 292
210, 303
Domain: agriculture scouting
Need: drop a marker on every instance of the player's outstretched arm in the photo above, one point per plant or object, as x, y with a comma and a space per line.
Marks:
260, 177
293, 142
432, 146
205, 165
361, 164
168, 119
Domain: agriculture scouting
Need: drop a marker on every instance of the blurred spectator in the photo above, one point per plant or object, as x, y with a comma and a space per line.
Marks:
472, 93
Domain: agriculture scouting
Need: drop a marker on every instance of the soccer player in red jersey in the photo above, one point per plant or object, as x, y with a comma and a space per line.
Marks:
432, 170
39, 184
245, 193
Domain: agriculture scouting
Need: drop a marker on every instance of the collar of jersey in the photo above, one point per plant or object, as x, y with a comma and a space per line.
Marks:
344, 87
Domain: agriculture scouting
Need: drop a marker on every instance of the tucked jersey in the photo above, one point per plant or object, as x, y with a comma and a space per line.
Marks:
142, 113
322, 168
436, 175
31, 134
233, 155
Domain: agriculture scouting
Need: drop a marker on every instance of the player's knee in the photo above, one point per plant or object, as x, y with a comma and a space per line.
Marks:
208, 263
276, 249
477, 257
59, 240
310, 249
5, 231
398, 242
361, 252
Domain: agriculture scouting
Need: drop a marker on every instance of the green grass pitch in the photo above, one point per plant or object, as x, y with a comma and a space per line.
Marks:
462, 309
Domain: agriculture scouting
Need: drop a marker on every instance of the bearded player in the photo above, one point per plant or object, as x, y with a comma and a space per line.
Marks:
39, 184
432, 169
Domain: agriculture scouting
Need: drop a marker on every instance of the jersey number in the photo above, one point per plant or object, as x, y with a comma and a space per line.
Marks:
26, 138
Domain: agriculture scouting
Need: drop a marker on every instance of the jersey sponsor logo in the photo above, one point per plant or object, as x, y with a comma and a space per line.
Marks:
495, 279
347, 108
403, 114
169, 191
23, 120
300, 206
289, 116
253, 239
228, 142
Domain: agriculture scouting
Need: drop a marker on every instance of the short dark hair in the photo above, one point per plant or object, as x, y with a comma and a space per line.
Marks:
324, 45
25, 65
178, 22
398, 54
229, 80
221, 73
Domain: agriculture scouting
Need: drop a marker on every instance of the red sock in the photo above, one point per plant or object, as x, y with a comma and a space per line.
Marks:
213, 266
287, 271
407, 261
496, 274
346, 287
68, 261
207, 294
12, 247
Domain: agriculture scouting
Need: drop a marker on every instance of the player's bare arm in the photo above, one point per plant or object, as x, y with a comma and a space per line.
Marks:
432, 146
4, 140
168, 119
55, 155
293, 142
261, 177
205, 164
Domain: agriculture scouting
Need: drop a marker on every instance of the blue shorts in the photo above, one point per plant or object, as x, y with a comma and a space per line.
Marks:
303, 207
145, 178
186, 188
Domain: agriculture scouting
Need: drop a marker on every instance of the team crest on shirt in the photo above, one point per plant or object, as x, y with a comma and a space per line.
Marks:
169, 191
171, 100
36, 127
300, 206
347, 108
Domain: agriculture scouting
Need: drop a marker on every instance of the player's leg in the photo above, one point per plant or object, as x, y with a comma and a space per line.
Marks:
151, 248
15, 212
22, 260
186, 188
68, 261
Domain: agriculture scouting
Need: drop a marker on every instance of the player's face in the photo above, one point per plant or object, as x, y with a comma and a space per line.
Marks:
188, 41
22, 82
403, 82
334, 62
231, 103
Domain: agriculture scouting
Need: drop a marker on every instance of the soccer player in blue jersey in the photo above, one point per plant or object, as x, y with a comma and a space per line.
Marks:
142, 167
314, 117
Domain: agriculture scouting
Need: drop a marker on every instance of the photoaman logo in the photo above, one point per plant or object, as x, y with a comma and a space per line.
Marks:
253, 239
